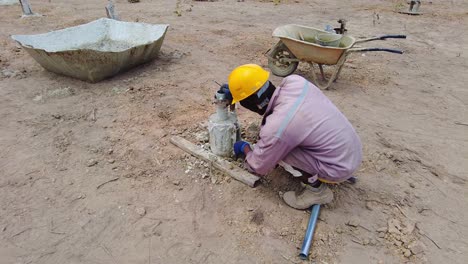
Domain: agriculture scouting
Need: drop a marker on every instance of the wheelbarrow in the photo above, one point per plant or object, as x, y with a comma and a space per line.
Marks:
299, 44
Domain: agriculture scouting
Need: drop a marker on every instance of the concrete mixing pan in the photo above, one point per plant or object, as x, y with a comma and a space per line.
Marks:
96, 50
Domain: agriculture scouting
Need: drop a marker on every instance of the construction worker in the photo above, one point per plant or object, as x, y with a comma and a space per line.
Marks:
302, 130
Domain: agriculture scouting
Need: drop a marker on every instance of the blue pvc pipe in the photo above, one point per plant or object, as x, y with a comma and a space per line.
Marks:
309, 235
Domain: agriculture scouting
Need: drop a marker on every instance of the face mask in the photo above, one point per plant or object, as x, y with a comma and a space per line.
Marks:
258, 102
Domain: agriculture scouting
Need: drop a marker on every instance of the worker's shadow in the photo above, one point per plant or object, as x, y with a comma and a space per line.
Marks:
280, 181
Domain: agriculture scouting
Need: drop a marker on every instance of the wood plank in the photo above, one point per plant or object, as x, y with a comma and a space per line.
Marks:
217, 162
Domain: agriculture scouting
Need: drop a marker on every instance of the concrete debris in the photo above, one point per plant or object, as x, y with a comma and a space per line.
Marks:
140, 211
60, 92
202, 136
6, 73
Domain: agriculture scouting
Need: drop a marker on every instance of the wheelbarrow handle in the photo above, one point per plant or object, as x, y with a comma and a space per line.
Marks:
375, 49
393, 36
383, 37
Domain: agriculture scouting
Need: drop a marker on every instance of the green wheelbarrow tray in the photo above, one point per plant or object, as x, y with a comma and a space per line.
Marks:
96, 50
297, 44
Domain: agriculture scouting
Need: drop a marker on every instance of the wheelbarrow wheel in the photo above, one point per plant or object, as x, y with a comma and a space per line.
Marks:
279, 61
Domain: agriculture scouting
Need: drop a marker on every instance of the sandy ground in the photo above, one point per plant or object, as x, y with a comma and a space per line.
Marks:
61, 139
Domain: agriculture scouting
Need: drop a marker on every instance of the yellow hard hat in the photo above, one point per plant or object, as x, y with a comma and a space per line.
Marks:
245, 80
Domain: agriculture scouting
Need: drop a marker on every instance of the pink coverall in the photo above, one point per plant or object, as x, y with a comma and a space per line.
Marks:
303, 128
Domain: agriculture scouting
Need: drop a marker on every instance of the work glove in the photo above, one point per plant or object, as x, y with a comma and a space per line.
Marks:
239, 148
225, 89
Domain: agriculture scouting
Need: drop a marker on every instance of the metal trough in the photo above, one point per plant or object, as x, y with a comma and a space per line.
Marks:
97, 50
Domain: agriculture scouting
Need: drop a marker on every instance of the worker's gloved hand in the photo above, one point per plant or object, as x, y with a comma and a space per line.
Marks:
239, 148
225, 89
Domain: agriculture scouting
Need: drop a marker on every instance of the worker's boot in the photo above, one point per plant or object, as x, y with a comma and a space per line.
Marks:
309, 196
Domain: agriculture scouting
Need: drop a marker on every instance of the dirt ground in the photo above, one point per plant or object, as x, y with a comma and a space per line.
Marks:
87, 173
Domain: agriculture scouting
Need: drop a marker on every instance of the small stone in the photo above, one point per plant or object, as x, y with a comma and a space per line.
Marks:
366, 242
213, 180
339, 230
353, 222
4, 229
412, 185
417, 247
397, 243
407, 253
382, 229
176, 183
111, 161
409, 227
140, 210
405, 240
393, 226
204, 176
180, 188
91, 162
369, 206
57, 116
110, 151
